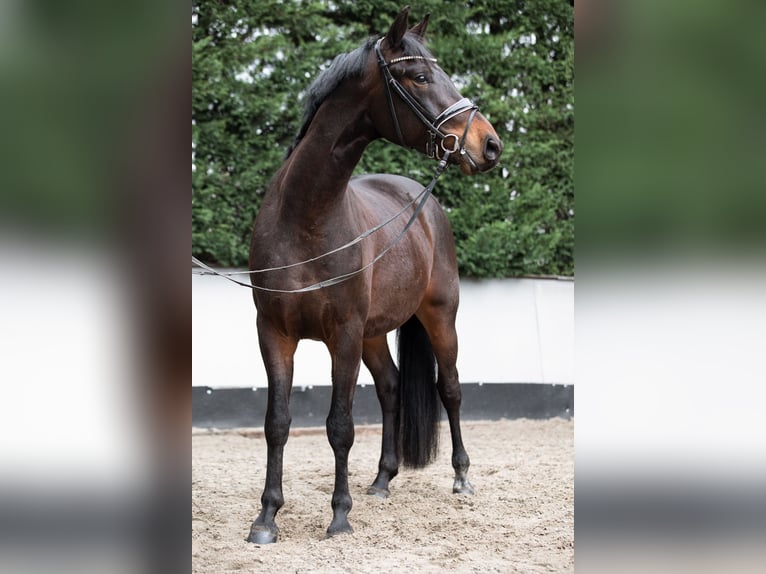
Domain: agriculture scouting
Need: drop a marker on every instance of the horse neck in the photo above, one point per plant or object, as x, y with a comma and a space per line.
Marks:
315, 176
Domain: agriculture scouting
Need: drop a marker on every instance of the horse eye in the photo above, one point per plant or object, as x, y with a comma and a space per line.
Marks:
421, 79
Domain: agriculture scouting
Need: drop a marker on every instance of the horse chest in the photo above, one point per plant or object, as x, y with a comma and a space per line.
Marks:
314, 315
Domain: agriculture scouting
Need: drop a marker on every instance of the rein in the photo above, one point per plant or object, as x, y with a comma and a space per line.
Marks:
434, 128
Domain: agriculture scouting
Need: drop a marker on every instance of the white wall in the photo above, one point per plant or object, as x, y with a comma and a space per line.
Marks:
510, 330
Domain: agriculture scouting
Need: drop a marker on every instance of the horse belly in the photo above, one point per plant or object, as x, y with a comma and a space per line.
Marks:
394, 299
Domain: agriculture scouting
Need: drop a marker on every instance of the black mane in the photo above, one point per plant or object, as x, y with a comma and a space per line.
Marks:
343, 67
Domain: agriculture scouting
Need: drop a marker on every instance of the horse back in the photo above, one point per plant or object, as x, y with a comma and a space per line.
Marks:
382, 195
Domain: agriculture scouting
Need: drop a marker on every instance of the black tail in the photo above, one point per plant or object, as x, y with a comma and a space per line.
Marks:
418, 396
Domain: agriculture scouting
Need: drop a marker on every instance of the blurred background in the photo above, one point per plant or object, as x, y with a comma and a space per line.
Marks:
670, 301
94, 297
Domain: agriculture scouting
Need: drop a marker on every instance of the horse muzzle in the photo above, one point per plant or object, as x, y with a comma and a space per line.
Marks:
479, 154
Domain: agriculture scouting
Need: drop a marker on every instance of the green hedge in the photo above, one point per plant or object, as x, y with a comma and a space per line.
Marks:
253, 60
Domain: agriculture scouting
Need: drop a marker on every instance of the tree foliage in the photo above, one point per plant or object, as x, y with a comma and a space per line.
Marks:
253, 60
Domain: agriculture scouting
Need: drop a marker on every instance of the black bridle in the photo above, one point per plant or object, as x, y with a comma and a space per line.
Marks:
433, 125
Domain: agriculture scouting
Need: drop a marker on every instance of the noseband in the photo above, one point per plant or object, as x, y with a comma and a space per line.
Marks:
432, 125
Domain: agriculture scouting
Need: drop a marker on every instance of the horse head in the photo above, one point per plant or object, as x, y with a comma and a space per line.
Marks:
415, 104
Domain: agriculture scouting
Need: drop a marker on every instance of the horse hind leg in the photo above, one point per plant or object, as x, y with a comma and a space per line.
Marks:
440, 326
377, 358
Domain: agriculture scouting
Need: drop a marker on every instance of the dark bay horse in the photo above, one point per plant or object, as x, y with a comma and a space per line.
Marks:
390, 88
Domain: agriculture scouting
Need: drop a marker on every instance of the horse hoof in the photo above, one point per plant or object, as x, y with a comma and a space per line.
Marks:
342, 529
263, 535
379, 492
462, 487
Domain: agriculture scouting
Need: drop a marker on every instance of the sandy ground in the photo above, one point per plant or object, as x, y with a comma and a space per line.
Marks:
521, 518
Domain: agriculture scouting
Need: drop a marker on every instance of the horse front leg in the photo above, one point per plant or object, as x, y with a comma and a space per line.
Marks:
277, 353
377, 357
346, 352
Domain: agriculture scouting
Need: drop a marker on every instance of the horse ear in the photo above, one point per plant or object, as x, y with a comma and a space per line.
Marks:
398, 28
420, 29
